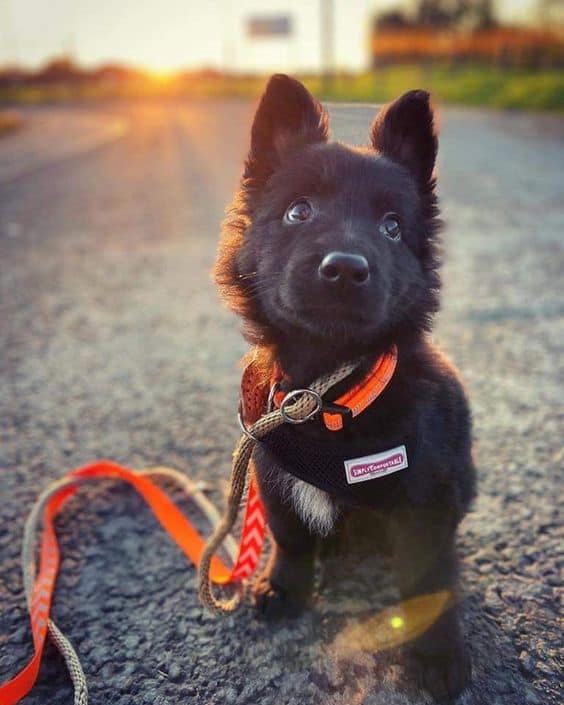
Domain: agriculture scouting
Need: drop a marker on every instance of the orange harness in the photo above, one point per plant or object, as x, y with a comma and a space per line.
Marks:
253, 400
359, 397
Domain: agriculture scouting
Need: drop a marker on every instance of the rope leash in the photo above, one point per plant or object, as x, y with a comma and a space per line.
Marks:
301, 409
39, 585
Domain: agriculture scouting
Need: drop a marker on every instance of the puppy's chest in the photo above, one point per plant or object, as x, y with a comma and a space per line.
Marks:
325, 472
367, 472
320, 479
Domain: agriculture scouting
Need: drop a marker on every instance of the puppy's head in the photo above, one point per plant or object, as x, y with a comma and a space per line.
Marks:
328, 243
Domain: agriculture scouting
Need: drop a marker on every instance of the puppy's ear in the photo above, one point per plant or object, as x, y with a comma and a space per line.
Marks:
404, 131
287, 118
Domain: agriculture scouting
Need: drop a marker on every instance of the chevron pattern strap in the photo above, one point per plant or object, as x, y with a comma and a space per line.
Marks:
252, 536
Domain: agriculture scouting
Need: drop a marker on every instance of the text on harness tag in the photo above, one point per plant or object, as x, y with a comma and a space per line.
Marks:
377, 465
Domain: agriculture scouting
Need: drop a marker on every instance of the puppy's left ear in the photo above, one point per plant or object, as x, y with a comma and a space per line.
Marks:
404, 132
287, 118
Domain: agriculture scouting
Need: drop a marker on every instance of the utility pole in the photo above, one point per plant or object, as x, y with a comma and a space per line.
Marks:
327, 27
8, 33
228, 63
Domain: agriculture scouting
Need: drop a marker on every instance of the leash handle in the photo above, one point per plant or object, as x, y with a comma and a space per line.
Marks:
171, 519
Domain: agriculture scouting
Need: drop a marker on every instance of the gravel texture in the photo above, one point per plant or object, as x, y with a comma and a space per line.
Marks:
113, 344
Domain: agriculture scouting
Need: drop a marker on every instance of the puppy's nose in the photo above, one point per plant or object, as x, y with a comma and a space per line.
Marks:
344, 268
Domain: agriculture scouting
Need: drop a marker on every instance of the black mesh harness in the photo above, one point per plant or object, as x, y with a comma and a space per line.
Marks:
319, 456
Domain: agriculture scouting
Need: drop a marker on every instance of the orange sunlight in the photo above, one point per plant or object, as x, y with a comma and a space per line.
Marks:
161, 76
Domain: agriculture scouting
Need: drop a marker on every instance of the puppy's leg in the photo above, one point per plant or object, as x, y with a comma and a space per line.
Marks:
425, 562
286, 584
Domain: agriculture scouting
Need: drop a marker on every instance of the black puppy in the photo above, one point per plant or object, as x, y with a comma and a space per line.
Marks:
329, 254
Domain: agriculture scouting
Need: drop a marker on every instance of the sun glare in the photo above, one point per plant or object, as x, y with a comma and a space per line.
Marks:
161, 76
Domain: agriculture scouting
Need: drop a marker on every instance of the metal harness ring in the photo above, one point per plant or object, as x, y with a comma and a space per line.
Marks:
290, 396
273, 390
244, 428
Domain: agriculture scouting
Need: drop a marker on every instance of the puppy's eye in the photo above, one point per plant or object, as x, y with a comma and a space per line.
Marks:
390, 226
299, 211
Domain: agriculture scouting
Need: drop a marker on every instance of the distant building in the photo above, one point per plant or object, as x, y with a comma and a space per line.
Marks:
286, 35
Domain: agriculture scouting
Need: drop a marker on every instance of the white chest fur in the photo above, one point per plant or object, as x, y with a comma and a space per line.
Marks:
314, 507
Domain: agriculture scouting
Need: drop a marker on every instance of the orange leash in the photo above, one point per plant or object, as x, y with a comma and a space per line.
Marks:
171, 519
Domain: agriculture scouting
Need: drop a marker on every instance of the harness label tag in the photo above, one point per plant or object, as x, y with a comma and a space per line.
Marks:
377, 465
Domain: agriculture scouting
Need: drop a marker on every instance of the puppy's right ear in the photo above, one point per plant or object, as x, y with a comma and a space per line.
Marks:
287, 118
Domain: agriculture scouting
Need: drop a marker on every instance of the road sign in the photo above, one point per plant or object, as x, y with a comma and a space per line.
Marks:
263, 26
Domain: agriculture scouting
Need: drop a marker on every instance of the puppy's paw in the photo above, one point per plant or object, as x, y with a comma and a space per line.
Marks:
444, 674
273, 602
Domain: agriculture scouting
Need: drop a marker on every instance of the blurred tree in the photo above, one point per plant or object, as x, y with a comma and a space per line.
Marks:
59, 70
392, 19
443, 14
471, 15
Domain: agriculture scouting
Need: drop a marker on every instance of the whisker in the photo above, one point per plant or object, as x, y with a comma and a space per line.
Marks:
250, 275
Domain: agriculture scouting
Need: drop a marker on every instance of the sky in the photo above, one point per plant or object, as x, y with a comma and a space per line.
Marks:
170, 34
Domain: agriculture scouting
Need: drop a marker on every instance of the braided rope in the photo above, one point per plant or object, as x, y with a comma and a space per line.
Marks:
74, 667
300, 409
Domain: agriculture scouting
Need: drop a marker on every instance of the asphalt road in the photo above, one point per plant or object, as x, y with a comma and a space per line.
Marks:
113, 344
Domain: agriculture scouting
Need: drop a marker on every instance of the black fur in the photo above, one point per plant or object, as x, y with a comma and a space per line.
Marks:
267, 271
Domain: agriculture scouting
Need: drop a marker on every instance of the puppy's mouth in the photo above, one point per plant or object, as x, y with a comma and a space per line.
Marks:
335, 321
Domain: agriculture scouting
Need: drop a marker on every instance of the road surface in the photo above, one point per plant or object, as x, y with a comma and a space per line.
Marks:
113, 344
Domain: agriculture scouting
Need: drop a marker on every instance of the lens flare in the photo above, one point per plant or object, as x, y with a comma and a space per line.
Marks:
395, 625
396, 622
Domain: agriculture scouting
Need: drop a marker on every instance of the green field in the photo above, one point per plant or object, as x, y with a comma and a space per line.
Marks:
466, 85
538, 90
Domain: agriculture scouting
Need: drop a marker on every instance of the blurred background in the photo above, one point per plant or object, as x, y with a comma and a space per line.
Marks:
505, 53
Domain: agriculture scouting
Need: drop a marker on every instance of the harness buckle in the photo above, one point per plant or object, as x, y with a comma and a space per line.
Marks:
332, 408
343, 411
294, 394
